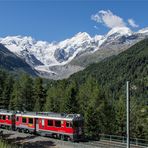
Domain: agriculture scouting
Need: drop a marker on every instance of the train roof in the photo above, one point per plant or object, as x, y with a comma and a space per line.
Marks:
47, 115
6, 112
51, 115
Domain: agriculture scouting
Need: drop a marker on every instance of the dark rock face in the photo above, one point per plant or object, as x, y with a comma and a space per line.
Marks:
11, 62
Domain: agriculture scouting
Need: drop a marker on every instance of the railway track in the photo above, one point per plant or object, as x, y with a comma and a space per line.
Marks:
34, 141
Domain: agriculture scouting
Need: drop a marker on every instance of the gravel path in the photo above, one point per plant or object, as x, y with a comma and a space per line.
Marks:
33, 141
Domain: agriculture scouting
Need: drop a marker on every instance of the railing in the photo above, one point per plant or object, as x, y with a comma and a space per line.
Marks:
107, 141
122, 139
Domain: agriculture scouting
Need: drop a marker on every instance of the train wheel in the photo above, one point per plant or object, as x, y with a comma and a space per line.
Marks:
69, 139
55, 136
26, 131
18, 129
62, 137
9, 128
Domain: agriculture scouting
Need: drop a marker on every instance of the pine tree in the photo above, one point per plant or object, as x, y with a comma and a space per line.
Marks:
138, 118
38, 95
7, 89
90, 101
26, 92
85, 93
108, 118
70, 104
120, 109
50, 104
37, 105
94, 113
55, 97
92, 122
3, 76
16, 98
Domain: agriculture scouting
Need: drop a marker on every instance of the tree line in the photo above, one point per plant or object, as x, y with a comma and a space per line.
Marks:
102, 113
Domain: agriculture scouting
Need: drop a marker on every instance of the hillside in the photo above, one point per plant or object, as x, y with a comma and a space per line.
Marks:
111, 76
11, 62
113, 72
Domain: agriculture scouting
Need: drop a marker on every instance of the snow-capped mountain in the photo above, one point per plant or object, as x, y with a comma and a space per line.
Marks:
59, 60
47, 53
143, 31
119, 31
34, 52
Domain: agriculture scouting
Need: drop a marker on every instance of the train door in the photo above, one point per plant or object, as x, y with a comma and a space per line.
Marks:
78, 126
13, 121
36, 124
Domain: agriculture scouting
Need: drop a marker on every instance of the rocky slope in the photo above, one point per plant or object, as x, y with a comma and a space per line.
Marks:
10, 61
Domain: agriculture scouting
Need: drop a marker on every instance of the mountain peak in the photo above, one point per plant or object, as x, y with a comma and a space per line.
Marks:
119, 31
144, 30
78, 39
98, 37
17, 39
83, 36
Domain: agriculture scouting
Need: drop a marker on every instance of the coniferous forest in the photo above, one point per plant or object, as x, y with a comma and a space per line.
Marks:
98, 93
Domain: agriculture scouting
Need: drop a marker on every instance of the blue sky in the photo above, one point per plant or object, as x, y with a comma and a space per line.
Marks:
57, 20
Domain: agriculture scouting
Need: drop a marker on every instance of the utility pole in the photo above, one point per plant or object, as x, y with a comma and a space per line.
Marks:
128, 114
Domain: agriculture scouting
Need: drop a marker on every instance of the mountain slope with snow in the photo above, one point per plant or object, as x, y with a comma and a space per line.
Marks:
59, 60
119, 31
9, 61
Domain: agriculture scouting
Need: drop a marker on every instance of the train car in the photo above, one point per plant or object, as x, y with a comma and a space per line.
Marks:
63, 126
7, 119
25, 122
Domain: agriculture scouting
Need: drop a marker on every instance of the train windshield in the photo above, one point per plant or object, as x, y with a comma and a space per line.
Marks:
77, 123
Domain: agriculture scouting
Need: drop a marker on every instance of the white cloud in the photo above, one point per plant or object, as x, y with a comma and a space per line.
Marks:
108, 19
96, 18
132, 23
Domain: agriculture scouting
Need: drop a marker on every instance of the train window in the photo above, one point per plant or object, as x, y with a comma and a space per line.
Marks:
24, 120
43, 123
68, 124
50, 122
30, 121
76, 124
58, 123
4, 117
8, 117
17, 118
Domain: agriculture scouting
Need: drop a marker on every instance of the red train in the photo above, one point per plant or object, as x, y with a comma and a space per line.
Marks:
63, 126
